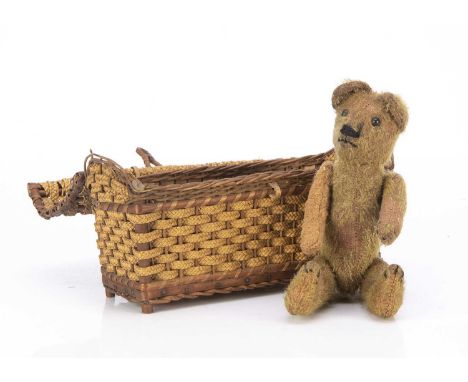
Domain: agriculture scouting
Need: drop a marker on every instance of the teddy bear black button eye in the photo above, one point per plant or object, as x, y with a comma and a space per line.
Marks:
344, 113
375, 121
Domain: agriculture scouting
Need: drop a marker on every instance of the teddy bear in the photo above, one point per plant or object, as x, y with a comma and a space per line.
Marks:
355, 204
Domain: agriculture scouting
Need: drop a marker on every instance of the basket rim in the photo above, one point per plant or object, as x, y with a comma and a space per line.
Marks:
262, 178
281, 174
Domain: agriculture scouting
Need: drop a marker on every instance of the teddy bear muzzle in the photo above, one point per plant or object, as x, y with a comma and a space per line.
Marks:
348, 132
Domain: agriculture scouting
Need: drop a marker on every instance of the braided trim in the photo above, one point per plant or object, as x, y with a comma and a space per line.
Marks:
67, 197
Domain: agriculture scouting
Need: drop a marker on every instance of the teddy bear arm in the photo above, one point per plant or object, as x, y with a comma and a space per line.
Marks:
316, 210
392, 208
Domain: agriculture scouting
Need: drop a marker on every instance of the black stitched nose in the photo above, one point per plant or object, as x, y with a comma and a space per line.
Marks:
348, 131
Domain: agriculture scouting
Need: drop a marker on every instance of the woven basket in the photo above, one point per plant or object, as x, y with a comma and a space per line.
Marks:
167, 233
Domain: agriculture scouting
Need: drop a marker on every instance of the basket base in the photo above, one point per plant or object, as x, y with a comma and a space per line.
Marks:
147, 308
154, 293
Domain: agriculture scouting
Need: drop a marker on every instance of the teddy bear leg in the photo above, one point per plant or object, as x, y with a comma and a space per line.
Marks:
312, 286
382, 288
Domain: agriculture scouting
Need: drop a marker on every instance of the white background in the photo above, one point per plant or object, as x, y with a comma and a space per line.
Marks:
202, 81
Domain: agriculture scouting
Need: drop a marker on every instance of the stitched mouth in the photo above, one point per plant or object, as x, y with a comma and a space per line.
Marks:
344, 140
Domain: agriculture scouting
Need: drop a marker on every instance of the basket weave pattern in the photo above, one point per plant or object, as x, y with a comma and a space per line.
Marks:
172, 232
200, 240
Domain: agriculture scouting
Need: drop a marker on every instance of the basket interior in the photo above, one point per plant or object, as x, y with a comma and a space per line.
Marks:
167, 175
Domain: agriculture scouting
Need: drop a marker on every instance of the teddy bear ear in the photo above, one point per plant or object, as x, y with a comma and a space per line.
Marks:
347, 89
396, 108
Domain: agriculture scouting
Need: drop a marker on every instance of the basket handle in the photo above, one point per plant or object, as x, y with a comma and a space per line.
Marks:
75, 199
148, 159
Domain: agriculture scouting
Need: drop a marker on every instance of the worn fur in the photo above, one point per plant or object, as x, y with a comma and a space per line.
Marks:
355, 204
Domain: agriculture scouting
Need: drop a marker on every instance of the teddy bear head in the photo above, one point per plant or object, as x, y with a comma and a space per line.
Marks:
367, 123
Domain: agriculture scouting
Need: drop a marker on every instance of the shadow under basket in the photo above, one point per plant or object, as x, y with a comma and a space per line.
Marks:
167, 233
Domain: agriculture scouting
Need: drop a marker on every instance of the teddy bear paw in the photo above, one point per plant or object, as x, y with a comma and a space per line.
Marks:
387, 235
310, 248
386, 294
311, 287
313, 269
394, 271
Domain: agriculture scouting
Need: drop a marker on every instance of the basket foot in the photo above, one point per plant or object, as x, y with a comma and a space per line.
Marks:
109, 293
147, 308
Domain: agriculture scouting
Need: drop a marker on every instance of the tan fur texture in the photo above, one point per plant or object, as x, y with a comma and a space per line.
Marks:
312, 287
392, 208
356, 204
316, 210
382, 288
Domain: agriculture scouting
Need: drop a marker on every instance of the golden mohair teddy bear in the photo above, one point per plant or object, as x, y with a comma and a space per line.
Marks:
355, 204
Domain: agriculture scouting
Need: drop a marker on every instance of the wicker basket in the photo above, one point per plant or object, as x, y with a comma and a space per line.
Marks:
167, 233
